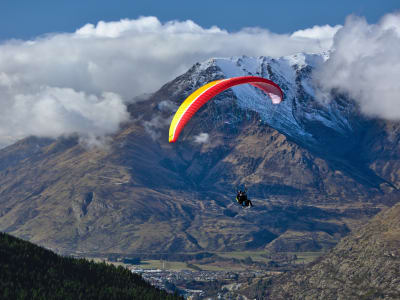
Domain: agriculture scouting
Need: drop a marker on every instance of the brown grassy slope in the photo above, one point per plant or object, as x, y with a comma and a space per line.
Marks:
364, 265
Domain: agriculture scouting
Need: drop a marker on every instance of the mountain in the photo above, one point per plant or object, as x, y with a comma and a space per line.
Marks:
31, 272
314, 171
364, 265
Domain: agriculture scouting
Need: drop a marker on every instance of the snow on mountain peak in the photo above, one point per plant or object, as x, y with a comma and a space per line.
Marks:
300, 109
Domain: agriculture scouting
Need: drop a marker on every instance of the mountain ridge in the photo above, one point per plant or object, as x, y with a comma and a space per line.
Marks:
364, 265
143, 194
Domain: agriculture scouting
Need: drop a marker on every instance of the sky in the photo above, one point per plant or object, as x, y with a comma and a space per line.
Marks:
76, 64
25, 19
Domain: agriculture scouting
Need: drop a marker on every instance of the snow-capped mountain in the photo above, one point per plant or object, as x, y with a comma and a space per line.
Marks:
301, 116
334, 130
314, 171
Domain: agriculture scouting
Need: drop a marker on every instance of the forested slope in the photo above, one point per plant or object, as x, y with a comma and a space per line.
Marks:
31, 272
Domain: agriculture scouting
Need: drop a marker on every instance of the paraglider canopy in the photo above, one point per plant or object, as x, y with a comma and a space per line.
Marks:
202, 95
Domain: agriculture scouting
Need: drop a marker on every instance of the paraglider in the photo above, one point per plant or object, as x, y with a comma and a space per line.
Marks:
242, 199
205, 93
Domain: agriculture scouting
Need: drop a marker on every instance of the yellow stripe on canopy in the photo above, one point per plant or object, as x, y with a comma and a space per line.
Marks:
185, 106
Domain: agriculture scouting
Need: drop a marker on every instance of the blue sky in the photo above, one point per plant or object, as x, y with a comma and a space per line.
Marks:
25, 19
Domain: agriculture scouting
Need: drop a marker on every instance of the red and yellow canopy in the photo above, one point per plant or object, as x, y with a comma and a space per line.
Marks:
202, 95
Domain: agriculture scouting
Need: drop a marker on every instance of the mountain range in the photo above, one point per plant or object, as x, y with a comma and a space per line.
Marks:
315, 171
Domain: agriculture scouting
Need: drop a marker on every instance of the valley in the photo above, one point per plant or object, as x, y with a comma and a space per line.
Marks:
314, 172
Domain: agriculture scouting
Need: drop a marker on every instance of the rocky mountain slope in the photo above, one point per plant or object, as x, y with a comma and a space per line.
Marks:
314, 172
364, 265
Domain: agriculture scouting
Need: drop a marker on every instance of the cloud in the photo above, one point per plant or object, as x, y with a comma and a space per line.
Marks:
202, 138
167, 106
322, 34
365, 64
49, 85
52, 112
154, 126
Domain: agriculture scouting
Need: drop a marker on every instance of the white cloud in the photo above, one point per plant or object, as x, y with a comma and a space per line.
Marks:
52, 112
154, 126
167, 106
323, 34
365, 64
202, 138
56, 79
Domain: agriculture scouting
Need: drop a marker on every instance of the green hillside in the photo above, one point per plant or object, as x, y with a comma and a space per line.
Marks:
31, 272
